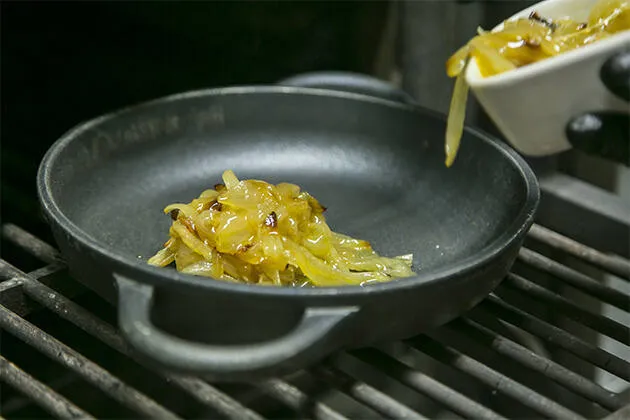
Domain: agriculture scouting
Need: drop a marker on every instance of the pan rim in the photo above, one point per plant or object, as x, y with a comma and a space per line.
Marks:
142, 272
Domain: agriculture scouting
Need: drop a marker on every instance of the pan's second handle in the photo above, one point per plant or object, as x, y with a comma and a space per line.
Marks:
349, 82
305, 344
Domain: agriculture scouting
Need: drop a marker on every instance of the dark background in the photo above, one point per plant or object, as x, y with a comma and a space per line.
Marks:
65, 62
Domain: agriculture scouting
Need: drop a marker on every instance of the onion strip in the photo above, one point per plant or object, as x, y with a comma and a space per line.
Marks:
456, 117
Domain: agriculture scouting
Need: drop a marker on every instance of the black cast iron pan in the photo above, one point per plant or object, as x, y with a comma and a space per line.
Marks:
375, 160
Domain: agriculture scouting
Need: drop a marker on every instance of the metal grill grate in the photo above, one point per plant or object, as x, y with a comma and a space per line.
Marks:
524, 352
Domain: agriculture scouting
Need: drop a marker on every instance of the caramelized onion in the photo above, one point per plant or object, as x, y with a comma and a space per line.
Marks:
255, 232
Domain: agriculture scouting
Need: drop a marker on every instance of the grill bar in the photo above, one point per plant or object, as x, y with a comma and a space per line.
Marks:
611, 263
492, 378
88, 370
298, 400
556, 336
365, 394
202, 391
44, 271
305, 403
70, 311
42, 395
623, 414
531, 360
563, 306
426, 385
576, 279
210, 396
30, 243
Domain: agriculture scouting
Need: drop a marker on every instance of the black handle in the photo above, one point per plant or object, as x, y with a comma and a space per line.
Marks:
606, 133
615, 74
304, 345
349, 82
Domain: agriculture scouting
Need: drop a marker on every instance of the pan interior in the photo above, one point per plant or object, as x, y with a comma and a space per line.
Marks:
377, 168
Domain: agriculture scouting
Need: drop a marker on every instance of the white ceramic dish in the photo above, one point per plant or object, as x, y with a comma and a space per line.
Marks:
532, 104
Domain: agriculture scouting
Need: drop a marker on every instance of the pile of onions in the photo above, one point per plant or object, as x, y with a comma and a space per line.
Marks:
255, 232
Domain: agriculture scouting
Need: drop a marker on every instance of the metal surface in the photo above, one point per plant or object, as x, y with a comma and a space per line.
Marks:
366, 394
43, 395
90, 371
298, 400
576, 279
443, 345
606, 262
494, 379
528, 290
426, 385
531, 360
494, 307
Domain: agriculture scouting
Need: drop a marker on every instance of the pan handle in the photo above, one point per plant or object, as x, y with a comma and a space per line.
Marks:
307, 343
349, 82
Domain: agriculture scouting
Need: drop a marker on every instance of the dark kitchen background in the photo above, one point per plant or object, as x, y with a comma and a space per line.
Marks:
65, 62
